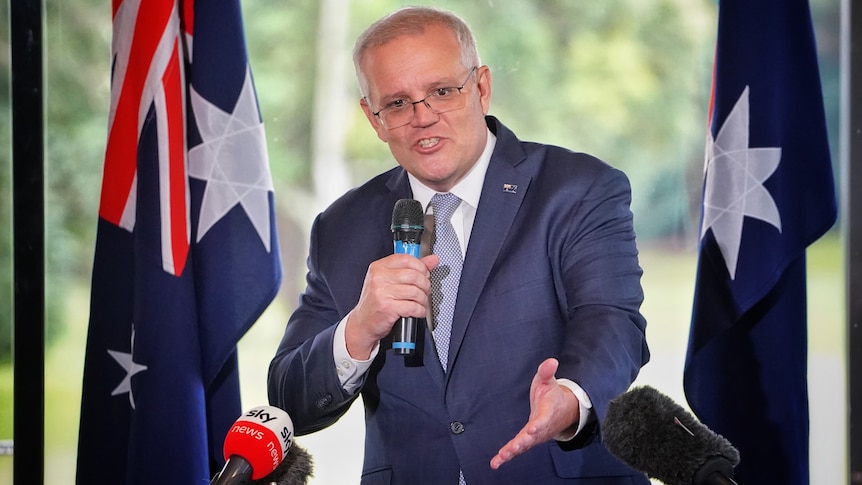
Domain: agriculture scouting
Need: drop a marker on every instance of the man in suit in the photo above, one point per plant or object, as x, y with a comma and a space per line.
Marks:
546, 327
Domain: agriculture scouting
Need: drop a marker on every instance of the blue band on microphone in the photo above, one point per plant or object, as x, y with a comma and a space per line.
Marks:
404, 345
402, 247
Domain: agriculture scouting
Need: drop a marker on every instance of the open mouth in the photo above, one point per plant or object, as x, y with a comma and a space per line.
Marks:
428, 142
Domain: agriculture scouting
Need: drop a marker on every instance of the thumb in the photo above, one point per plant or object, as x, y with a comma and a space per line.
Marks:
547, 370
431, 261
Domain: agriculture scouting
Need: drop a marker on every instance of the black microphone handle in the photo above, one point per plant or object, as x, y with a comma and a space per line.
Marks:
404, 336
718, 478
236, 471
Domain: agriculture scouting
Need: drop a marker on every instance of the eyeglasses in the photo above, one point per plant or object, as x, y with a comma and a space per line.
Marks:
399, 112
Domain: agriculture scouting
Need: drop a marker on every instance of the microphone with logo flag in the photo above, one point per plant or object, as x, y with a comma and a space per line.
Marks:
255, 445
652, 434
295, 469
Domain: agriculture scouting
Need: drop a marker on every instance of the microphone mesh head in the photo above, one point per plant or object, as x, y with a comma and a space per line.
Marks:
408, 214
652, 434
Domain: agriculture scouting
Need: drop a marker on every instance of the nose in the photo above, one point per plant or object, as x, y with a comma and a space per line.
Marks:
423, 115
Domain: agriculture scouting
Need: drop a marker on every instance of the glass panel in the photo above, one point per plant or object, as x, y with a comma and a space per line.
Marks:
644, 113
77, 77
554, 81
6, 276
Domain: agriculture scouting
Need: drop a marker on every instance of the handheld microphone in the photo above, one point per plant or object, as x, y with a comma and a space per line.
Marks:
408, 222
255, 445
652, 434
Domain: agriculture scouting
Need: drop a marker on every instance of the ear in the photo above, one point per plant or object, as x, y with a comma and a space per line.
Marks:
374, 120
483, 84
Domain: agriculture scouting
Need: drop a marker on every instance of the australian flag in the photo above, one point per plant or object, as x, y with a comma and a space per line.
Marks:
186, 254
768, 193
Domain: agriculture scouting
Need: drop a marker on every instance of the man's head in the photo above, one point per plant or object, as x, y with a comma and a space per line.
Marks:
413, 21
425, 92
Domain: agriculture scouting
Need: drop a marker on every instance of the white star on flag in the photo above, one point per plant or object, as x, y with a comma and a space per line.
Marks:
125, 360
233, 161
734, 183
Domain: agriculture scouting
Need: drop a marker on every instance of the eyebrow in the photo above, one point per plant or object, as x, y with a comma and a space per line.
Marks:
431, 87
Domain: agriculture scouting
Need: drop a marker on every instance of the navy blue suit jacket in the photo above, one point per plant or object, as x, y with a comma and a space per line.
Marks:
551, 270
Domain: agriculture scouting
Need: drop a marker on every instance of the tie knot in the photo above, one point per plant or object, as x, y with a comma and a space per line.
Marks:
444, 205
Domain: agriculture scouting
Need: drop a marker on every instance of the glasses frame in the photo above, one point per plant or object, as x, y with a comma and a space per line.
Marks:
414, 103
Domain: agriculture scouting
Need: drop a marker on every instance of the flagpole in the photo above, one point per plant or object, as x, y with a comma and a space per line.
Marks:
28, 242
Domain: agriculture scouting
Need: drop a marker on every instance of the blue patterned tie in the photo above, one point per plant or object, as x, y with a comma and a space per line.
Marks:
445, 277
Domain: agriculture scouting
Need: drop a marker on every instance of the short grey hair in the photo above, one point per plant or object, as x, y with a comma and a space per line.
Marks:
411, 21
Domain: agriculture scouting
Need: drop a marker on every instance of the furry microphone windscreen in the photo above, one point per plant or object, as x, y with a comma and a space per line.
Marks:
652, 434
295, 469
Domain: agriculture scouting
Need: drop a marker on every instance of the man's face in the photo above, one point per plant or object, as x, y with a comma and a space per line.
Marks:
438, 149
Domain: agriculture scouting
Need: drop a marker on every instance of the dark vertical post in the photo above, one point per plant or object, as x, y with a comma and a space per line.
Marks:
28, 228
851, 136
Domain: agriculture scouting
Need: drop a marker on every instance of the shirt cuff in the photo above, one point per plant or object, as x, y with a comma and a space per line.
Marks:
586, 409
350, 371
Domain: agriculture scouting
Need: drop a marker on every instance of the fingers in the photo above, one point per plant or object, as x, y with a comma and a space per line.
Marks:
395, 286
552, 409
538, 429
523, 441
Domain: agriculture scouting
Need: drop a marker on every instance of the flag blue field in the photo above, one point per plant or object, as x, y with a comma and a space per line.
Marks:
768, 193
186, 255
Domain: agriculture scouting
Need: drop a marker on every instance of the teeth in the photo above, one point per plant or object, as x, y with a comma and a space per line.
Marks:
428, 142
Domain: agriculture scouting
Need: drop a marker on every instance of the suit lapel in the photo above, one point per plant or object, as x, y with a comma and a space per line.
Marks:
502, 194
399, 185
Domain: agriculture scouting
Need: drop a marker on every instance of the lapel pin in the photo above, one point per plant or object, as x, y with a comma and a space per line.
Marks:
510, 188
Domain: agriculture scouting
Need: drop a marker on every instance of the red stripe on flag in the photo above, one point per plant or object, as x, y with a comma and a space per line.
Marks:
173, 87
122, 146
188, 9
711, 101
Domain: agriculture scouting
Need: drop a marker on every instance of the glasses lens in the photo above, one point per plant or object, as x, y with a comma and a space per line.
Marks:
395, 117
438, 102
444, 100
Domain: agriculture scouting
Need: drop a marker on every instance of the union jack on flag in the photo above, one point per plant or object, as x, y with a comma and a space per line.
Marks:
186, 253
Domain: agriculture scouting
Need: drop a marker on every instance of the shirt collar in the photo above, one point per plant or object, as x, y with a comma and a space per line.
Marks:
469, 189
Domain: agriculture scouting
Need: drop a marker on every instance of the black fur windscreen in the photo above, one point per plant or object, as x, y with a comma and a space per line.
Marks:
652, 434
295, 469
